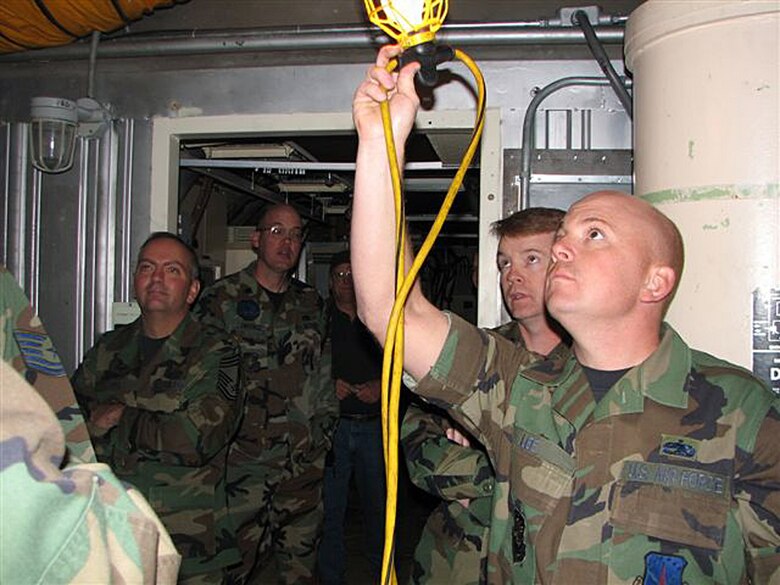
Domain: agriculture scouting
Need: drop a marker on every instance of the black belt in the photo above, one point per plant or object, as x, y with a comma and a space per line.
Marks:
367, 416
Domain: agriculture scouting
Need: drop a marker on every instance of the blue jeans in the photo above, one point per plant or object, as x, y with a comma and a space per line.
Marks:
357, 450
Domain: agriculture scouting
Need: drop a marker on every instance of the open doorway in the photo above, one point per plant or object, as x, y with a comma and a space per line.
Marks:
212, 177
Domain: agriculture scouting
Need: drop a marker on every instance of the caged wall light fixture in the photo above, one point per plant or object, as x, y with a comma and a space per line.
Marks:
55, 123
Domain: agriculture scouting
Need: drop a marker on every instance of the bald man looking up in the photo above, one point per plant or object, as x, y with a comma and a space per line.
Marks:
634, 460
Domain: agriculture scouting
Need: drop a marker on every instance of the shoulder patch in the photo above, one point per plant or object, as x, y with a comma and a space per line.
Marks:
248, 309
38, 353
227, 377
663, 569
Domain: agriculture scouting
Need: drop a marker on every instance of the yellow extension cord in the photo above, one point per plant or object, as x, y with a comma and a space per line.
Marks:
392, 366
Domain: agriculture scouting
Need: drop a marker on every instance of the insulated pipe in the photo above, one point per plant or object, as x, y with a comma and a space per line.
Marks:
313, 39
31, 24
528, 127
580, 18
707, 153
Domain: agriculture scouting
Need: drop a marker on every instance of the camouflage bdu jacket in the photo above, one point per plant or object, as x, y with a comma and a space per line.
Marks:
182, 409
674, 477
25, 345
453, 543
74, 523
291, 403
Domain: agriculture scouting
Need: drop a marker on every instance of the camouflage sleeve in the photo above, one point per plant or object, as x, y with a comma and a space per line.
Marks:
439, 466
757, 494
208, 309
84, 381
78, 524
321, 387
190, 426
26, 346
471, 379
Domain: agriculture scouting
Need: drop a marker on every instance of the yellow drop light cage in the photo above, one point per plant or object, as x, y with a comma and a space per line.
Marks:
390, 18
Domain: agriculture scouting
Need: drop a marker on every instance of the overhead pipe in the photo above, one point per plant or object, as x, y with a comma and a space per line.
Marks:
528, 127
33, 24
315, 39
93, 49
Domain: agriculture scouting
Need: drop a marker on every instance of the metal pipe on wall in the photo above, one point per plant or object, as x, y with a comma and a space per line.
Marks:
93, 49
16, 203
32, 283
125, 205
529, 123
106, 216
80, 302
600, 55
314, 39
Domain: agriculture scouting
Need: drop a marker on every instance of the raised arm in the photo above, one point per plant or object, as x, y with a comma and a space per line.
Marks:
373, 215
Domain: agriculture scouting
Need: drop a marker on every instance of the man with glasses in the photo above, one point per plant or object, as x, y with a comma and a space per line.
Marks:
276, 465
357, 445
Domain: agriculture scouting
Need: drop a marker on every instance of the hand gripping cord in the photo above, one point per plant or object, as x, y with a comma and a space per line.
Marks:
392, 366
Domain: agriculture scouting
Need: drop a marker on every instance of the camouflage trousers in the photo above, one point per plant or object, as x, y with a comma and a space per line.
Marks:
450, 549
277, 506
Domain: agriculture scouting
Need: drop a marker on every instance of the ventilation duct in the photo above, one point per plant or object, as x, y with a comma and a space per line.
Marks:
33, 24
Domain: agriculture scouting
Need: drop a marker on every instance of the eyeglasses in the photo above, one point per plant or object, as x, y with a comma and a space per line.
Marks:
343, 275
280, 232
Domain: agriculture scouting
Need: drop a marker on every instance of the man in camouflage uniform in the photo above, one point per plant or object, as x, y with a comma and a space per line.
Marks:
30, 351
633, 460
163, 401
453, 544
62, 520
276, 465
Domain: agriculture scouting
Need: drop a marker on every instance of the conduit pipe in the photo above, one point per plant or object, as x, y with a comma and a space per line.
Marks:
580, 18
528, 126
315, 39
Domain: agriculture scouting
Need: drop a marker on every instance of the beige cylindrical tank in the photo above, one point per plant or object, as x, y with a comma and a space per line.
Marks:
707, 154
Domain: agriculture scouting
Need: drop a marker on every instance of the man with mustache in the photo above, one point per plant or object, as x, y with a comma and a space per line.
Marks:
636, 459
276, 465
162, 398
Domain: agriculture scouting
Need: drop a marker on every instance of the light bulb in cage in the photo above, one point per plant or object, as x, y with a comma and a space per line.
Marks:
413, 25
55, 124
409, 22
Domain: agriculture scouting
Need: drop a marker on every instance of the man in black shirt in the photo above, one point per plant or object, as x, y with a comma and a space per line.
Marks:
357, 445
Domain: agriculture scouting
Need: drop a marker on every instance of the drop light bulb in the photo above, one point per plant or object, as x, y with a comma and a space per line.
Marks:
407, 13
409, 22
